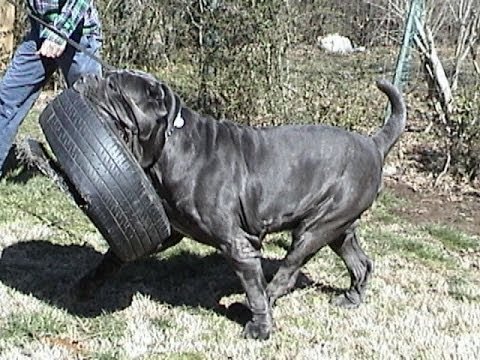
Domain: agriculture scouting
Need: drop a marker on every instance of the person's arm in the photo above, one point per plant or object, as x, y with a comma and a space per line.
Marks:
67, 21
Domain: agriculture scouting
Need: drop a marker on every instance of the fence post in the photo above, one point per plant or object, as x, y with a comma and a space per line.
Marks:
402, 65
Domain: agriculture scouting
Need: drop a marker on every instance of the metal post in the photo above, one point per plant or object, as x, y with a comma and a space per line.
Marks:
403, 56
402, 65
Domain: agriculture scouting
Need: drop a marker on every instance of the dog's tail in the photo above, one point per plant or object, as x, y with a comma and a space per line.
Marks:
388, 135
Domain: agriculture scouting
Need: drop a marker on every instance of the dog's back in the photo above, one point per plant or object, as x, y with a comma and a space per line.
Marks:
276, 176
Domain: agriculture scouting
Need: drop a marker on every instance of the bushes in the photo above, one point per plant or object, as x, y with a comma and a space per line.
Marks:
241, 58
256, 62
142, 34
464, 135
236, 51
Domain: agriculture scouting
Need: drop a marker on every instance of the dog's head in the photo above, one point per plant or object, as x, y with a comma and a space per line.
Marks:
139, 106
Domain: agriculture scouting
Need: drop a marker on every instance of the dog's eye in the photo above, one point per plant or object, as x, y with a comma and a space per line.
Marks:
151, 92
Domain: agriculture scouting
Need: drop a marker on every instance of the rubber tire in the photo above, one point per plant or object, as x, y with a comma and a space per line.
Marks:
120, 200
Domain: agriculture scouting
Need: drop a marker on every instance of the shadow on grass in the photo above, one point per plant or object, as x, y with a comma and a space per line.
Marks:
49, 272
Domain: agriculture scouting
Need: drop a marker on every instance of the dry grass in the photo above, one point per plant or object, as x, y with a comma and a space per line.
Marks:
424, 298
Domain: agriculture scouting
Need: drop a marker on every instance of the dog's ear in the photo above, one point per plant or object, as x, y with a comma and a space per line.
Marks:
111, 85
171, 103
156, 91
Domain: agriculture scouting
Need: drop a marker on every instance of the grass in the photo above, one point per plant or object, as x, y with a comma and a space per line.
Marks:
21, 327
423, 300
452, 238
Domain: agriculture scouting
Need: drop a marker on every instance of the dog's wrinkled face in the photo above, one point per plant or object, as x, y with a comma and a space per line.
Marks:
140, 90
134, 91
137, 104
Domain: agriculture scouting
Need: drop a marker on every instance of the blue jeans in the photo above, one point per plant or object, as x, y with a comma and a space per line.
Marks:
28, 72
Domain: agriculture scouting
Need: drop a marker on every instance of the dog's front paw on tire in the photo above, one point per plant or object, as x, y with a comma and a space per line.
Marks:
257, 331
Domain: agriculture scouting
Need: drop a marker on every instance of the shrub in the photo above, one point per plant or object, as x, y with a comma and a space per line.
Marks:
464, 135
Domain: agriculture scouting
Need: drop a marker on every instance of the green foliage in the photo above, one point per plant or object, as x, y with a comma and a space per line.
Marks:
237, 50
241, 60
186, 356
459, 288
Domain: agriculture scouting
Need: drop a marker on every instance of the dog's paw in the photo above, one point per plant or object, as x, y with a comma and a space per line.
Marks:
347, 301
258, 331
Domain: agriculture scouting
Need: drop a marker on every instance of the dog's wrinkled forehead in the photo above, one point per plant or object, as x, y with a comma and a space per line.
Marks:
136, 84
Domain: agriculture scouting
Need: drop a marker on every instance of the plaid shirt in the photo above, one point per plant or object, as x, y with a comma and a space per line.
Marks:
66, 15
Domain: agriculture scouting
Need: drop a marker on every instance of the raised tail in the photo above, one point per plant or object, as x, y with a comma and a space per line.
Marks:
388, 135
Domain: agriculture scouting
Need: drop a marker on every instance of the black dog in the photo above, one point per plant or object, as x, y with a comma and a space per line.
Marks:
228, 185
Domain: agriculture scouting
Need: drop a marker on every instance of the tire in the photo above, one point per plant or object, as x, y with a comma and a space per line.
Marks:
116, 194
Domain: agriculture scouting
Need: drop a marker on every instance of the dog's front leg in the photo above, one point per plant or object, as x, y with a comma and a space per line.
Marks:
246, 261
108, 267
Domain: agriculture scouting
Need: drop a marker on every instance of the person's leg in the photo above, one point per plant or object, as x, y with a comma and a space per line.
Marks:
74, 63
19, 88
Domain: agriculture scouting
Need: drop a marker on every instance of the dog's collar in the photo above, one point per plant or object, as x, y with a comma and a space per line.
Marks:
178, 123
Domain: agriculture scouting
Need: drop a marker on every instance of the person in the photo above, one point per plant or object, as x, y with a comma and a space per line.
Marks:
42, 52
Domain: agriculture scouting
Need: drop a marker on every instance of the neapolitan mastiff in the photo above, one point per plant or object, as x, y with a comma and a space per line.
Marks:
228, 185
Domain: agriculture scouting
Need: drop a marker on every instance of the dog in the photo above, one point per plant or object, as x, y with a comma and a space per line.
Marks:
228, 185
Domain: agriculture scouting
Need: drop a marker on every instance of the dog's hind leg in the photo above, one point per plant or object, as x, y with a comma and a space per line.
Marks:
359, 267
305, 244
246, 262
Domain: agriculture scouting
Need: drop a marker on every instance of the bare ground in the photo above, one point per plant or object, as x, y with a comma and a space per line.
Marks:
461, 211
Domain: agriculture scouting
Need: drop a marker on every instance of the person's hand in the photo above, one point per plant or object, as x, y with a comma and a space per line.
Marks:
51, 49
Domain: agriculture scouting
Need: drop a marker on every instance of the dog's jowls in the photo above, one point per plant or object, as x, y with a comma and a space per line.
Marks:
228, 185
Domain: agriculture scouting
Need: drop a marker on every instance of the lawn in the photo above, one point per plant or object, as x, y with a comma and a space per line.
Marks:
423, 300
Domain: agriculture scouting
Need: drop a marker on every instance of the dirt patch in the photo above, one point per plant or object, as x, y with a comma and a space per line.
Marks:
461, 211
